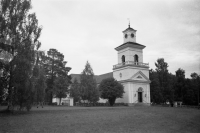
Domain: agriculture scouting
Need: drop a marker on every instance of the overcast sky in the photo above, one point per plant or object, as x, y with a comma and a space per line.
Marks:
90, 30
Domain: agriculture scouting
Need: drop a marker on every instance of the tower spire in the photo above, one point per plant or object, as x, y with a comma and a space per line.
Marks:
128, 22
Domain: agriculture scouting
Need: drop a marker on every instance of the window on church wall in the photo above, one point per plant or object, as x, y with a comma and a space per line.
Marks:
126, 36
123, 59
132, 35
136, 58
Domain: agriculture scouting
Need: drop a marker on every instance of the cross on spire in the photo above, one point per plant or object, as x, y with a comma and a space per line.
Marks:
129, 23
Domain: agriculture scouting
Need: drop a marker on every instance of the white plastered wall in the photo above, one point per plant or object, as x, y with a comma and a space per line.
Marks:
129, 38
133, 95
129, 54
128, 72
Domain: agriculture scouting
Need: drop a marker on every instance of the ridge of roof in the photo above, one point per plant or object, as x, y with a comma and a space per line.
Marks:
132, 43
129, 28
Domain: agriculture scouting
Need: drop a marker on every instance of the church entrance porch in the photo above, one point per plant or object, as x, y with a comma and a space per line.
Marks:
140, 97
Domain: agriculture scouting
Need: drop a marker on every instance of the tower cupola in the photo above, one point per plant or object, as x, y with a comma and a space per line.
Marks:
129, 34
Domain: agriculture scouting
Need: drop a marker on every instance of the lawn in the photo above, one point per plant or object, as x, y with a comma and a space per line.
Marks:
102, 119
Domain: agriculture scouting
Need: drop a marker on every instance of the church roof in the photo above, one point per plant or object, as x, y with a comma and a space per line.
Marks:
129, 28
103, 76
98, 78
130, 44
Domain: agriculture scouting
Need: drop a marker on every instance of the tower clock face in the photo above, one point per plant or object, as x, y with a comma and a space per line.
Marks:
132, 35
126, 35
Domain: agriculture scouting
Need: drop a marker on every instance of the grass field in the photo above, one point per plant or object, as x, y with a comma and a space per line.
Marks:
102, 119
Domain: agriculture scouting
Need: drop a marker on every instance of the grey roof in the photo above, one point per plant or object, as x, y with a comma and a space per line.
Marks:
129, 28
103, 76
130, 44
99, 78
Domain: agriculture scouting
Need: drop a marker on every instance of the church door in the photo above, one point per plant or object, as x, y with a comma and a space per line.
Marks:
139, 96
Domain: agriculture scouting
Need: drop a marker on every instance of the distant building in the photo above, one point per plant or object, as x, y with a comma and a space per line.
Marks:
130, 71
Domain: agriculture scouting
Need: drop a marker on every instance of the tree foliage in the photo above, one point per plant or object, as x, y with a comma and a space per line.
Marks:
19, 32
40, 86
75, 91
180, 84
166, 87
163, 76
111, 89
54, 66
88, 85
61, 87
156, 94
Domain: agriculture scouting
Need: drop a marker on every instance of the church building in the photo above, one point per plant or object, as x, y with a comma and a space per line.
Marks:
130, 71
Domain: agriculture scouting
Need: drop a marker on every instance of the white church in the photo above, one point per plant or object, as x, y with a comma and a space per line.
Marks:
130, 71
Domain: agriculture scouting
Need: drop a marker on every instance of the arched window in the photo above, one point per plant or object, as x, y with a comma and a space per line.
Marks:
136, 58
132, 35
123, 58
126, 35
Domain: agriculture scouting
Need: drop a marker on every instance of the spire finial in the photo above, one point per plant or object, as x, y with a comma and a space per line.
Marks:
129, 23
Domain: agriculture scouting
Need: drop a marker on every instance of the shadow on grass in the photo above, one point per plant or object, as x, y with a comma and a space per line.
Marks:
56, 110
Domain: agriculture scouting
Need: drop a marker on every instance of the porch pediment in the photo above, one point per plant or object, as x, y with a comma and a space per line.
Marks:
139, 76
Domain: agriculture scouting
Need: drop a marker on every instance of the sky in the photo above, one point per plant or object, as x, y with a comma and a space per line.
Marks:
89, 30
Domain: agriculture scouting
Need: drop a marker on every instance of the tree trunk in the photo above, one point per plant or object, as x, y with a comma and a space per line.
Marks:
111, 101
50, 98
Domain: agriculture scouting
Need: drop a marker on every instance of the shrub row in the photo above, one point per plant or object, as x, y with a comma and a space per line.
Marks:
99, 104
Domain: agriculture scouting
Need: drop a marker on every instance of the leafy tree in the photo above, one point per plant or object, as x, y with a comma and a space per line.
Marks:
88, 85
4, 79
54, 67
75, 91
180, 84
39, 77
40, 86
168, 87
195, 87
20, 32
189, 96
111, 89
165, 81
156, 94
61, 87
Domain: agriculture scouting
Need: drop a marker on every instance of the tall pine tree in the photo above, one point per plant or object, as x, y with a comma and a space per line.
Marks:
88, 85
54, 67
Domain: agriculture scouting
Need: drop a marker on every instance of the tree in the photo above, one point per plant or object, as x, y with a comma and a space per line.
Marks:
111, 89
40, 86
189, 96
195, 87
75, 91
165, 81
20, 32
180, 84
61, 87
54, 67
4, 78
156, 95
88, 85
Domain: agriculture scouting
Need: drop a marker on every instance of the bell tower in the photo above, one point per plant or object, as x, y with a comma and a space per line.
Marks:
130, 71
